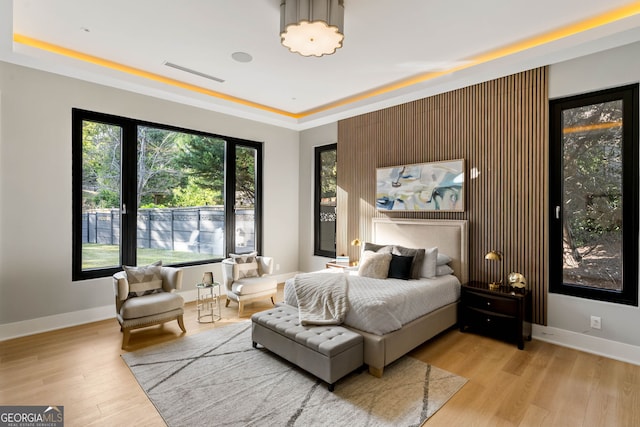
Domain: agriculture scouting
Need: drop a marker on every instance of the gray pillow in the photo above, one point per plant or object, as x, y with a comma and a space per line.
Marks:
372, 247
418, 258
374, 265
144, 280
246, 265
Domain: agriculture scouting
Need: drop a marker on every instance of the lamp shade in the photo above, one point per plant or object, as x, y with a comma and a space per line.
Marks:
356, 242
493, 256
312, 27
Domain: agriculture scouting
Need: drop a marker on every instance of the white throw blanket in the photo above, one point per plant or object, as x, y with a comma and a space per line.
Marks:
322, 298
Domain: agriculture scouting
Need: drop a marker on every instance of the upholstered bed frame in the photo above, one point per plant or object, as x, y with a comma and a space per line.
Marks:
451, 238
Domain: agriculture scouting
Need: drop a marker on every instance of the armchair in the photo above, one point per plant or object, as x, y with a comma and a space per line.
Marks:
145, 297
247, 278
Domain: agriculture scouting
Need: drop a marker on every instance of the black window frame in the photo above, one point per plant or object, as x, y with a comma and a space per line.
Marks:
629, 96
317, 249
128, 223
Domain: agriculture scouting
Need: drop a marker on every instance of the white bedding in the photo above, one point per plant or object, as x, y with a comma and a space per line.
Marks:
380, 306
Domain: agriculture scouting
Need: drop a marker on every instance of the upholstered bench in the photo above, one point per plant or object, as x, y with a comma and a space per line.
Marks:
328, 352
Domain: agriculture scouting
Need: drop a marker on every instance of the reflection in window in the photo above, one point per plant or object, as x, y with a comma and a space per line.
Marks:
325, 200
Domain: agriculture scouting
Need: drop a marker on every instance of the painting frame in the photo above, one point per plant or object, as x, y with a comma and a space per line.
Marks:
421, 187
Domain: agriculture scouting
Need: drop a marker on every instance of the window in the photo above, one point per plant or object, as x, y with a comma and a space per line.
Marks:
144, 192
594, 195
325, 200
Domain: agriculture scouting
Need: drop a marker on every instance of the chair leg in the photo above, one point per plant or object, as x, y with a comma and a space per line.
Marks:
240, 308
272, 301
181, 323
125, 337
226, 304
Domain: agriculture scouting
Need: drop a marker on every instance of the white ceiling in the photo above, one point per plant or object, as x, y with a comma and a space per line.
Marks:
386, 42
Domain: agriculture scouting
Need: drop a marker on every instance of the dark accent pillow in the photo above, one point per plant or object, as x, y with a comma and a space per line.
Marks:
418, 258
400, 267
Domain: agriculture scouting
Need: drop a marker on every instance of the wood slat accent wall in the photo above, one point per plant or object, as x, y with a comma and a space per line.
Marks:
500, 129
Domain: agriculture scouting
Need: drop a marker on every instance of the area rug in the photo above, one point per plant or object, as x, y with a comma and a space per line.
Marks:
216, 378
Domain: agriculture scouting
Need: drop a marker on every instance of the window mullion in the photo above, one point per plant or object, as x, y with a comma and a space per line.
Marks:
128, 202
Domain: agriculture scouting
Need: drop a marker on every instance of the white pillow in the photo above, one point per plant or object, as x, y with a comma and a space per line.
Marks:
374, 265
429, 264
443, 259
443, 270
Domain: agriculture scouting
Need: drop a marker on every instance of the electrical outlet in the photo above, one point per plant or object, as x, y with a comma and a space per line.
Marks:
596, 322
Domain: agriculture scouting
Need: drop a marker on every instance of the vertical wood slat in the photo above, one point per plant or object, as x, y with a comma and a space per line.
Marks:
500, 129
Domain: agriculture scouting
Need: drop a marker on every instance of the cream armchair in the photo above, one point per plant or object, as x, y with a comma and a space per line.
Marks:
248, 281
145, 297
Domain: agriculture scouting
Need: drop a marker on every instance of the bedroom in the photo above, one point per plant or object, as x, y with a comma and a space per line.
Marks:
30, 264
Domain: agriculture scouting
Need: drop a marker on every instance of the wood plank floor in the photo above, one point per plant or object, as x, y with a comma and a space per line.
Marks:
544, 385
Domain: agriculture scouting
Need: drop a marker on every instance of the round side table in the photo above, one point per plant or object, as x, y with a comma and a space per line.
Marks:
208, 301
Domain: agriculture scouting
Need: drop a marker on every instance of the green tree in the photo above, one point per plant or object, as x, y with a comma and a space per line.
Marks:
203, 158
101, 151
157, 170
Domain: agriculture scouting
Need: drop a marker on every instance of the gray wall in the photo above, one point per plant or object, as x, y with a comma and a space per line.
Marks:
35, 176
615, 67
309, 139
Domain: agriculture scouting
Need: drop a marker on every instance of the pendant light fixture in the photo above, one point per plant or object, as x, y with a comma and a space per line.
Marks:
312, 27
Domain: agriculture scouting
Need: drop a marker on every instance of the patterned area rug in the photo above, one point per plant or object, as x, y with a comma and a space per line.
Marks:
216, 378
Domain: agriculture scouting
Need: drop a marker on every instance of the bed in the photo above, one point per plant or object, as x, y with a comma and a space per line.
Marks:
381, 346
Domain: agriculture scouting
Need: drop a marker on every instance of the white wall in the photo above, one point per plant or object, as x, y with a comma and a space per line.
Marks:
35, 193
309, 139
615, 67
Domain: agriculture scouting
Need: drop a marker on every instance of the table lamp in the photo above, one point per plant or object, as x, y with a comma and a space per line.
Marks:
493, 256
357, 243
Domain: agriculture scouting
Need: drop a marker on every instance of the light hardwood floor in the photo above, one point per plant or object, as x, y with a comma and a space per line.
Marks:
544, 385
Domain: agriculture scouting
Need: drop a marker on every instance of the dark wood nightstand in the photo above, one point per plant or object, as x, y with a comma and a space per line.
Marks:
502, 313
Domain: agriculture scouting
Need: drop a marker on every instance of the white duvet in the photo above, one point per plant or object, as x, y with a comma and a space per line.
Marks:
380, 306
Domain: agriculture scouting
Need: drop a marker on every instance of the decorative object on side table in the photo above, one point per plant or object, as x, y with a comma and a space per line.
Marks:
517, 282
207, 278
500, 312
208, 300
494, 255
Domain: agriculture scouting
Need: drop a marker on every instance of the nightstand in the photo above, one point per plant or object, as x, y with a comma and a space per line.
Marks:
502, 313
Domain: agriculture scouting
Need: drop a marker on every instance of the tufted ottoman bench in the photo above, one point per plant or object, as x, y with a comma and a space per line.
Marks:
329, 352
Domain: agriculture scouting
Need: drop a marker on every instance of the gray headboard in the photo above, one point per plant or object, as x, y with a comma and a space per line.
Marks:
450, 236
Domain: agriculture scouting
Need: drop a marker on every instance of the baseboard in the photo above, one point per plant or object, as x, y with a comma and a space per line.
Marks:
54, 322
75, 318
600, 346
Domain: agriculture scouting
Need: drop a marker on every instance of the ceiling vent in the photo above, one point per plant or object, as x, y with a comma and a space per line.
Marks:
194, 72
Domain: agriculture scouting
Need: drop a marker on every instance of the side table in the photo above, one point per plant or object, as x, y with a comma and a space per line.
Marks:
502, 312
335, 264
208, 301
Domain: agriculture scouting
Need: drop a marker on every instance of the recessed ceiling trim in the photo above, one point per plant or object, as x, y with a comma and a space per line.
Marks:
609, 17
49, 47
189, 70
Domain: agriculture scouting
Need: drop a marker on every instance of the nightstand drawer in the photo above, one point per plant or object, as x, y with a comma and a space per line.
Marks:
492, 303
490, 322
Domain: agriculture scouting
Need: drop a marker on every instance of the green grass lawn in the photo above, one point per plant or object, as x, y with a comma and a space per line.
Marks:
97, 256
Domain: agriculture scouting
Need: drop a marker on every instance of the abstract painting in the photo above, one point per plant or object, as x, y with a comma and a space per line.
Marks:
434, 186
